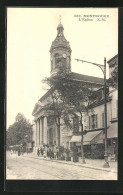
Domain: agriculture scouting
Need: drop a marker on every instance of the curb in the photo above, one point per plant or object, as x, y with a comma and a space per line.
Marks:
65, 162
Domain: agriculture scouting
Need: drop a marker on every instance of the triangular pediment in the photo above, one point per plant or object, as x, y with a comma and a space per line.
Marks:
36, 108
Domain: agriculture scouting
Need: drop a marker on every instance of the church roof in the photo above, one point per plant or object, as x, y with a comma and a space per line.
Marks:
60, 41
73, 76
77, 77
112, 58
86, 78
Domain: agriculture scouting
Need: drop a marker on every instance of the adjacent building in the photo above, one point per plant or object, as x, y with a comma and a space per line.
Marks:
94, 138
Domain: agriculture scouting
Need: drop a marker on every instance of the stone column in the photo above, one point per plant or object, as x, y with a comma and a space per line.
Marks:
38, 133
35, 133
41, 134
45, 130
47, 136
56, 134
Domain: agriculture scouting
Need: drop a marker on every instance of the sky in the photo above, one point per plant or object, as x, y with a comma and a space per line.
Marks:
30, 32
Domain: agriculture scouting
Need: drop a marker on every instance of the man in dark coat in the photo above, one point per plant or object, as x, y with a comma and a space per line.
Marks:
50, 153
38, 151
18, 152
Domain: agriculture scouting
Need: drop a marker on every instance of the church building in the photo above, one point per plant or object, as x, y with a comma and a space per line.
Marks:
45, 131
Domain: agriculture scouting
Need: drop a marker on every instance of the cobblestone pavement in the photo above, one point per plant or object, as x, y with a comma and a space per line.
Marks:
29, 168
90, 163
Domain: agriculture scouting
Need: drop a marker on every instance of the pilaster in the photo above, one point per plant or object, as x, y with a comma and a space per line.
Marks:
45, 130
41, 131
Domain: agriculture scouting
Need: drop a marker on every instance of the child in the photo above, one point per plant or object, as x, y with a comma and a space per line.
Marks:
44, 154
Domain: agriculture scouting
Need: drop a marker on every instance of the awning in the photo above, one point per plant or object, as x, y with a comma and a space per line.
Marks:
76, 138
112, 131
86, 138
90, 135
98, 139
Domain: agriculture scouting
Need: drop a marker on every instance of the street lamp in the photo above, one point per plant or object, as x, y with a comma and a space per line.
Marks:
26, 136
103, 68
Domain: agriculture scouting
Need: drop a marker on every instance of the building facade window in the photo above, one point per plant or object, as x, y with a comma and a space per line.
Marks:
75, 124
93, 121
117, 108
100, 95
96, 121
103, 119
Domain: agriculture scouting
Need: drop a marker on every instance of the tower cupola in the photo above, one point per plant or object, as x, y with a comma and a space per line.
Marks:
60, 30
60, 52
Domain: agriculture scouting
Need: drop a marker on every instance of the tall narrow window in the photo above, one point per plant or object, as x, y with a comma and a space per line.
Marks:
75, 124
96, 121
56, 60
117, 108
93, 121
100, 95
102, 119
89, 122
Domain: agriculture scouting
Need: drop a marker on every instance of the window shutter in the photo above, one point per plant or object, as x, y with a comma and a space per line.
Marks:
76, 124
89, 122
117, 108
93, 121
102, 119
96, 121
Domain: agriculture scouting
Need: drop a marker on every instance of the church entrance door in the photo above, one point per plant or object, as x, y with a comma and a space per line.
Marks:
51, 136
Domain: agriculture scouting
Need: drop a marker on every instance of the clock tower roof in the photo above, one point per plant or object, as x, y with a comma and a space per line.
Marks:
60, 40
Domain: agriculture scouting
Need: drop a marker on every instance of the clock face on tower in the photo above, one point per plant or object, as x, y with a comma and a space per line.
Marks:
64, 55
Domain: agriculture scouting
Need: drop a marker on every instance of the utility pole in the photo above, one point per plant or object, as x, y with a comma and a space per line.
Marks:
106, 164
82, 150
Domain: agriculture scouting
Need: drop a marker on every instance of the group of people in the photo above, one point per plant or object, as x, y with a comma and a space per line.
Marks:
46, 151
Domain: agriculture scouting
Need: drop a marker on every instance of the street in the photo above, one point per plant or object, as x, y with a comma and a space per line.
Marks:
22, 167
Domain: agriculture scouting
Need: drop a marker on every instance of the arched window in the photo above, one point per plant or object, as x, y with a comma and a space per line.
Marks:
56, 59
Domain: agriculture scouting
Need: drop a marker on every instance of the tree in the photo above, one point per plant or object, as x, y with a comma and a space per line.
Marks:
68, 97
113, 80
57, 101
79, 97
20, 132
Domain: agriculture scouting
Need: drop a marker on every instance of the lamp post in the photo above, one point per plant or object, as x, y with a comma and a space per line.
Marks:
26, 136
103, 68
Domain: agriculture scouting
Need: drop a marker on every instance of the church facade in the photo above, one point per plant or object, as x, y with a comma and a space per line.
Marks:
45, 131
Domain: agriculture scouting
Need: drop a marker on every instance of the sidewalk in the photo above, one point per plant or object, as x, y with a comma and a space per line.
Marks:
90, 163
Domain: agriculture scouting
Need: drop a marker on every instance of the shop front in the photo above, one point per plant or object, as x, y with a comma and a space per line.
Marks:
112, 141
92, 143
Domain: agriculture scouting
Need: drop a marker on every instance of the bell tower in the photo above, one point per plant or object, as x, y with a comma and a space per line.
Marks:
60, 52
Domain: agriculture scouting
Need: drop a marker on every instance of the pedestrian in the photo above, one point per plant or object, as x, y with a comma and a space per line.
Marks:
57, 151
41, 151
38, 151
50, 153
55, 155
46, 150
18, 152
44, 154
